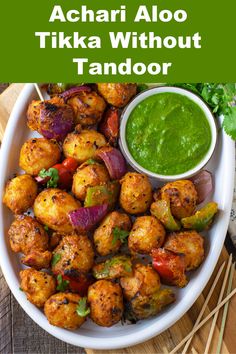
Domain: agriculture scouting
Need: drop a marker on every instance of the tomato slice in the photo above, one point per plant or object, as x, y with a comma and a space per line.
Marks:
65, 177
70, 164
78, 282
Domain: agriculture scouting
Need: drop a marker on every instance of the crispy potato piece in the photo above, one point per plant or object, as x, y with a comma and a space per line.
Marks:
88, 107
136, 193
104, 240
183, 197
20, 193
60, 310
27, 234
37, 259
117, 94
51, 208
88, 175
106, 303
145, 281
74, 252
82, 146
188, 243
147, 233
38, 286
39, 153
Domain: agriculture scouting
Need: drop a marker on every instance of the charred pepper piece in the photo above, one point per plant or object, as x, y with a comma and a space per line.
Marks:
202, 219
98, 195
161, 210
116, 267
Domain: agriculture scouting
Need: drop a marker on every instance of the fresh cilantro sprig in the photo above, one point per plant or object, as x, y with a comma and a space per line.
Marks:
53, 174
62, 284
221, 97
91, 162
119, 234
56, 258
82, 309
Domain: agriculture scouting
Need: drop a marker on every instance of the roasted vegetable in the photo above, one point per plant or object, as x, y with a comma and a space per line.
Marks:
190, 244
37, 259
74, 281
55, 89
202, 219
183, 197
141, 307
204, 185
109, 126
106, 303
85, 219
105, 194
170, 266
161, 210
20, 193
113, 160
116, 267
117, 94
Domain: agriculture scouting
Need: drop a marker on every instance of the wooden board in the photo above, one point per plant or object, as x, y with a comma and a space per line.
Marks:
18, 333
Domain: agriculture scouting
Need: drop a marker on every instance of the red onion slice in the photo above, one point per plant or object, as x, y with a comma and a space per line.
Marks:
85, 219
73, 91
203, 183
114, 161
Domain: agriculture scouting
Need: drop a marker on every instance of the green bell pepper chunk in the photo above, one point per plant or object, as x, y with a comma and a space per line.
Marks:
161, 210
116, 267
99, 195
202, 219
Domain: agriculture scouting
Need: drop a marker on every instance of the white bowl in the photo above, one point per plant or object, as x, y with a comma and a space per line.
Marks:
155, 91
91, 335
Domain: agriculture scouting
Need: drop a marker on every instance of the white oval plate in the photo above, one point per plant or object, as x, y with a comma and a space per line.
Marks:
119, 336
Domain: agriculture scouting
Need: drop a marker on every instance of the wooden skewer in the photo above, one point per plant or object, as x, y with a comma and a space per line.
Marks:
39, 92
219, 300
225, 312
204, 306
165, 350
203, 321
194, 351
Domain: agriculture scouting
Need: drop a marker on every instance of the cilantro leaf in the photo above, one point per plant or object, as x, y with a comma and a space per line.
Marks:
82, 309
53, 174
91, 161
46, 228
119, 234
62, 284
21, 289
229, 123
56, 258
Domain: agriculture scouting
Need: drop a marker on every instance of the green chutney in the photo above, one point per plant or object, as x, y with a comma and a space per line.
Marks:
168, 134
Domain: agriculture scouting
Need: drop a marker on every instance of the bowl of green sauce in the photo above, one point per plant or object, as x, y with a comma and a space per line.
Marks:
167, 133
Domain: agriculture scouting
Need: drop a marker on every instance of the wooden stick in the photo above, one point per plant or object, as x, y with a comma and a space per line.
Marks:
39, 92
165, 350
204, 306
194, 351
219, 300
203, 322
225, 312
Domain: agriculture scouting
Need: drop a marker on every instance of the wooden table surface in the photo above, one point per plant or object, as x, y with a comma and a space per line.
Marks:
20, 335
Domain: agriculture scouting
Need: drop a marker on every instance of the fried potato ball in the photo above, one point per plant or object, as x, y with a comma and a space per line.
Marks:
183, 197
20, 193
147, 233
88, 107
51, 208
37, 259
38, 153
74, 252
188, 243
104, 238
145, 281
27, 234
55, 239
88, 175
136, 193
117, 94
60, 310
106, 303
38, 286
82, 146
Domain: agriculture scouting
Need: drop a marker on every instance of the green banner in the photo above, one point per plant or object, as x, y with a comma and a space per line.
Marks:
118, 41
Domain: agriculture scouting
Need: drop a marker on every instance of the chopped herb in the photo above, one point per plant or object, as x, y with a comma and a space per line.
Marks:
53, 174
21, 289
56, 258
91, 161
119, 234
62, 284
46, 228
221, 97
82, 309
